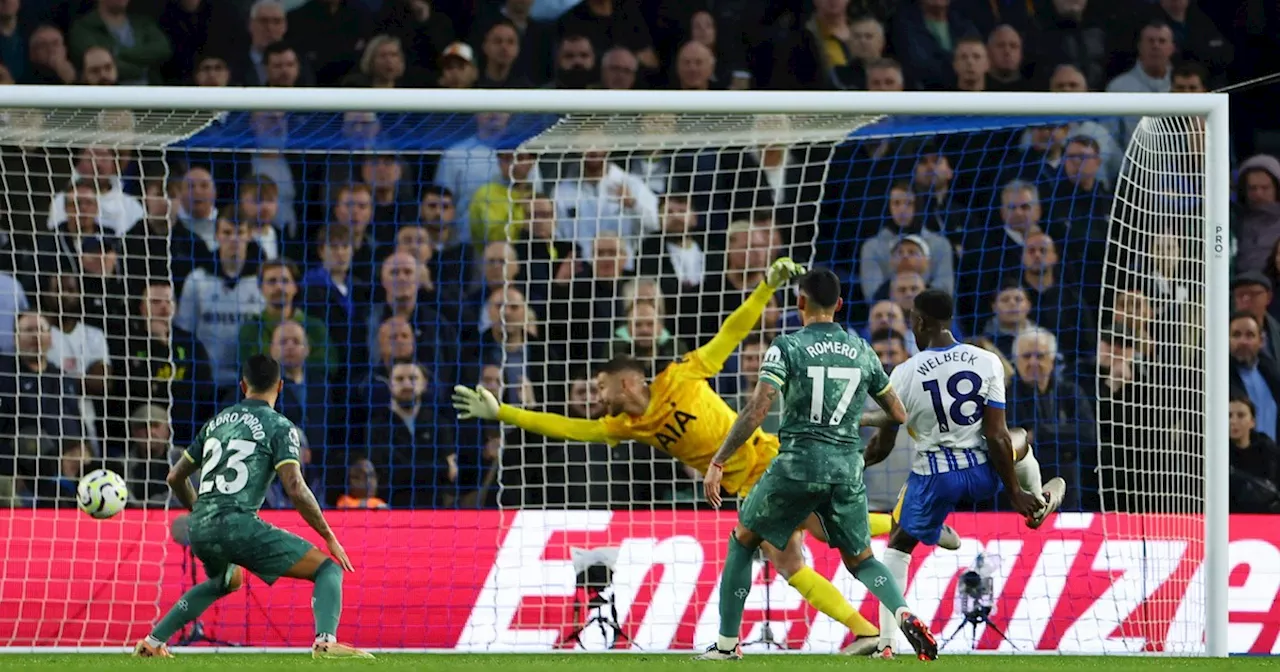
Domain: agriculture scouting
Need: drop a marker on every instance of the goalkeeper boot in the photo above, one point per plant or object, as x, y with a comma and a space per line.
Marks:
921, 639
337, 650
863, 645
145, 650
1054, 491
949, 539
713, 652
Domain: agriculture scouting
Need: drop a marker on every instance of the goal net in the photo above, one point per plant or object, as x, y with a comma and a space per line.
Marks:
385, 257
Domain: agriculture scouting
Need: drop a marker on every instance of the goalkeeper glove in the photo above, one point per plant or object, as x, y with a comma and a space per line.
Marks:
477, 403
783, 270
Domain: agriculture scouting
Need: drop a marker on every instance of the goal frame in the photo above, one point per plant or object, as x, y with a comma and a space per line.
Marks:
1214, 107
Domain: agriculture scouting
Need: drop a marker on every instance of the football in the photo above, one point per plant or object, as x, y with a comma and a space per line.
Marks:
102, 493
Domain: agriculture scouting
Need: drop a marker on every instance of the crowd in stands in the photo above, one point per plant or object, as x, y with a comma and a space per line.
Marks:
134, 283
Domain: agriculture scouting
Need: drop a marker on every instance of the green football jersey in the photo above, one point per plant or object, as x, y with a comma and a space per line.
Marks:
825, 374
238, 452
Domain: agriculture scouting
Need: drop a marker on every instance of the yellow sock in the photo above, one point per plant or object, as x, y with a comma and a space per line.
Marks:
880, 523
825, 597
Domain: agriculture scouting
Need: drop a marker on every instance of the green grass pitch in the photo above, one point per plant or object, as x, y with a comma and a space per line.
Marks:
617, 663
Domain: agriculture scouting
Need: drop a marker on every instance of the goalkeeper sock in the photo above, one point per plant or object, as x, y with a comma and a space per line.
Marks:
326, 600
880, 523
1028, 472
189, 607
897, 563
735, 585
825, 597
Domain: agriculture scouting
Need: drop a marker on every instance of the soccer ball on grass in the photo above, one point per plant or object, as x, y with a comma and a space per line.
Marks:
102, 493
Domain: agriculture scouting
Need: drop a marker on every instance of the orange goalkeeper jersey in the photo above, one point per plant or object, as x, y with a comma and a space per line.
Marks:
686, 418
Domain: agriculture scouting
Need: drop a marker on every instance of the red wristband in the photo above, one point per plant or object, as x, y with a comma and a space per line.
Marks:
718, 465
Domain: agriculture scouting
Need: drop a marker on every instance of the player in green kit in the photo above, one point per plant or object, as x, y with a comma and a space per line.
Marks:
238, 453
823, 374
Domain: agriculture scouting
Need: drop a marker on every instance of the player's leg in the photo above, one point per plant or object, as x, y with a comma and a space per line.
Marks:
771, 513
814, 587
845, 518
224, 579
296, 558
1027, 469
897, 559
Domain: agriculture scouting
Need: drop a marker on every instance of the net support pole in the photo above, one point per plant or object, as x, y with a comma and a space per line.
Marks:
1217, 250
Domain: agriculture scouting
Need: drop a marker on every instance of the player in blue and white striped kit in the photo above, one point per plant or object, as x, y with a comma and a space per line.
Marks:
954, 396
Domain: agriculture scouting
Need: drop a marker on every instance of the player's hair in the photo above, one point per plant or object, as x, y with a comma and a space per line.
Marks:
622, 363
822, 287
936, 305
260, 373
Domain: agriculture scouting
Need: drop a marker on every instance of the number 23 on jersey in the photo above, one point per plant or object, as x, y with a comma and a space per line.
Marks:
229, 477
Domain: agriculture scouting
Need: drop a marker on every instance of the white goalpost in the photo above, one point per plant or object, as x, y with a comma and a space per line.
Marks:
543, 232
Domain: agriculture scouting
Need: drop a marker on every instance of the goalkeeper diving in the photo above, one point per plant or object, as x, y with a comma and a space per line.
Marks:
680, 414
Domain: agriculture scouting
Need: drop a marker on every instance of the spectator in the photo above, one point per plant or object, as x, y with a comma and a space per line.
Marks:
877, 254
644, 337
885, 75
276, 497
458, 67
187, 25
148, 456
38, 399
608, 22
211, 70
139, 46
98, 68
1253, 293
575, 63
165, 366
382, 66
602, 199
677, 257
971, 65
1069, 36
1004, 47
1254, 463
1190, 77
1056, 306
353, 208
1257, 225
501, 48
330, 35
1195, 35
305, 398
197, 207
925, 34
267, 26
282, 66
938, 202
500, 268
1254, 376
1012, 311
618, 69
537, 37
278, 281
998, 251
77, 347
1153, 72
1053, 409
414, 239
101, 285
409, 443
887, 315
13, 41
731, 68
472, 163
362, 487
582, 310
512, 338
258, 205
903, 289
750, 356
102, 167
396, 343
695, 68
13, 302
401, 289
58, 481
499, 209
50, 64
216, 301
745, 259
423, 33
452, 260
394, 198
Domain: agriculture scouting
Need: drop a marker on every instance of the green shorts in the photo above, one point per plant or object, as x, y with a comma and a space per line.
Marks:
248, 541
777, 505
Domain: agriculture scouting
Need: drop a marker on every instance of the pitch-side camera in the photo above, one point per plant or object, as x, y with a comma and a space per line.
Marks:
593, 601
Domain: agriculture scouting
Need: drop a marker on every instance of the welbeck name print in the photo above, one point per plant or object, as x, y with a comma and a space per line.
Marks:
505, 581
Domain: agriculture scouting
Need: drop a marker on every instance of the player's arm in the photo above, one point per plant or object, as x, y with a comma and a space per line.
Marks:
891, 412
744, 318
179, 480
295, 486
999, 444
480, 403
881, 444
749, 420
